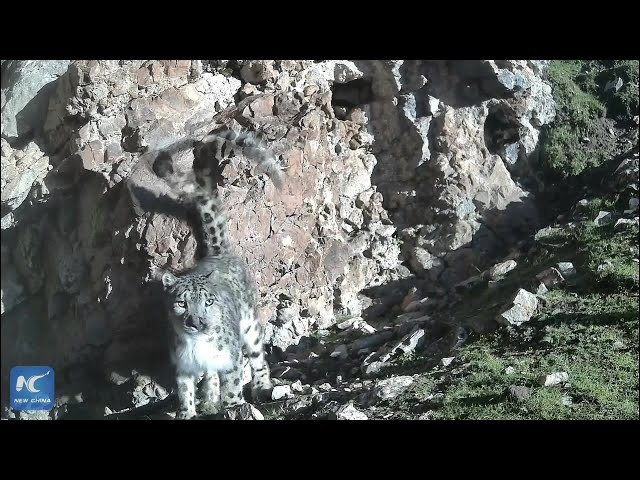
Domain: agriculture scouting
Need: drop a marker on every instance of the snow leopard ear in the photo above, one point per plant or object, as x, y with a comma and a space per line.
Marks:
168, 279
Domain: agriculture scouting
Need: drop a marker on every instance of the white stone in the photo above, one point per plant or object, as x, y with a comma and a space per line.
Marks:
446, 361
522, 308
501, 269
552, 379
603, 218
566, 269
349, 412
281, 391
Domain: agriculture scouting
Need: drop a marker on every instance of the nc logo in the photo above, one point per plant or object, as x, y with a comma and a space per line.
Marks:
32, 388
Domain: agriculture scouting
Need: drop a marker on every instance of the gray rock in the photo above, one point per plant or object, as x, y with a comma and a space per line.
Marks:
542, 289
350, 412
389, 388
257, 71
8, 221
411, 317
512, 153
20, 171
339, 214
280, 392
519, 393
603, 218
433, 104
633, 204
523, 307
542, 234
626, 175
581, 207
566, 269
553, 379
615, 84
297, 387
550, 277
624, 223
513, 81
345, 71
346, 324
27, 86
446, 361
310, 90
404, 191
363, 327
501, 269
340, 352
357, 116
281, 336
408, 343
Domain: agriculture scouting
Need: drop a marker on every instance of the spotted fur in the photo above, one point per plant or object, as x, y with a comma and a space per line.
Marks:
212, 307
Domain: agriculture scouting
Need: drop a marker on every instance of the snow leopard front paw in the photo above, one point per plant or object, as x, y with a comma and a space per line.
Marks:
185, 414
209, 407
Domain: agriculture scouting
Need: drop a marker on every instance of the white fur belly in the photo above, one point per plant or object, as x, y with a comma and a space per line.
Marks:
199, 356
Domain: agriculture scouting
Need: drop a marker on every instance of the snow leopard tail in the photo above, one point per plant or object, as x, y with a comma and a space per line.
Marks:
198, 188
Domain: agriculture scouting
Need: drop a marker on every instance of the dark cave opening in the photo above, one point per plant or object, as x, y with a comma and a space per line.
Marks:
351, 94
501, 129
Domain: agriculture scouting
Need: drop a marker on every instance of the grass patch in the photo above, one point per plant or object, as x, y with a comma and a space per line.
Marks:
622, 103
578, 139
587, 327
607, 257
574, 91
566, 153
594, 339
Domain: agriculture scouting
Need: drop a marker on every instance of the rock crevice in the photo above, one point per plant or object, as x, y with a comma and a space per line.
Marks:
395, 170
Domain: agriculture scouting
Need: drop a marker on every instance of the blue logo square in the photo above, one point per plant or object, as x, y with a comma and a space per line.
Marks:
32, 388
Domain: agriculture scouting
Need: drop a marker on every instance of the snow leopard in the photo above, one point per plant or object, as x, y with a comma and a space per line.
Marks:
212, 307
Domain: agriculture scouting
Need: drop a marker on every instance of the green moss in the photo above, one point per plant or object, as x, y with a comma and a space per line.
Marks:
566, 153
575, 104
578, 139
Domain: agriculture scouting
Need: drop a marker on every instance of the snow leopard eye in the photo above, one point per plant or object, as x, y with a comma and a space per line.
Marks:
209, 302
181, 304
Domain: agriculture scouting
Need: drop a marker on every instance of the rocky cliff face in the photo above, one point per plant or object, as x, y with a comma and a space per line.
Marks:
397, 171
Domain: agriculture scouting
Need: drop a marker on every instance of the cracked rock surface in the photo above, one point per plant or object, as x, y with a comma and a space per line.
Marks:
403, 177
